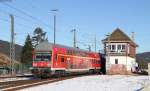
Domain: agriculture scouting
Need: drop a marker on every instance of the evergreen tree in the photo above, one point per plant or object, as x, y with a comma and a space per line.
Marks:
26, 54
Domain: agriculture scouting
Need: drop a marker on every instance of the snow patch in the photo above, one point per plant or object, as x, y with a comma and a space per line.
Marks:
13, 79
96, 83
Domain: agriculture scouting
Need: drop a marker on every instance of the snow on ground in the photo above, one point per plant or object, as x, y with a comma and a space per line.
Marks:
13, 79
96, 83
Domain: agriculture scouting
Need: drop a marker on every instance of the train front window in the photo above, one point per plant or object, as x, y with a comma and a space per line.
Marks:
43, 57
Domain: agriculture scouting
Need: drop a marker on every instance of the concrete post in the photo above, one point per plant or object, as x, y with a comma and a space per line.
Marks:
148, 68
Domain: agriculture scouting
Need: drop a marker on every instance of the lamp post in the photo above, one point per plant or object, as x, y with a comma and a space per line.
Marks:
54, 10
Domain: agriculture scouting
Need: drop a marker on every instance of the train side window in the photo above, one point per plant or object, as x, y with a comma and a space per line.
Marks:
68, 52
71, 52
97, 61
93, 61
55, 57
62, 59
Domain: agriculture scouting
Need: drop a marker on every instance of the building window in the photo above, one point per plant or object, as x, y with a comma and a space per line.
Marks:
113, 47
62, 59
123, 47
109, 47
119, 47
116, 61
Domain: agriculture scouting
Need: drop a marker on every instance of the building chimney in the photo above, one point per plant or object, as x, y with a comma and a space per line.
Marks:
132, 36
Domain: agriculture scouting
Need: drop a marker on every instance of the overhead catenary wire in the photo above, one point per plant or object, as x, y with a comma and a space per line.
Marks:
17, 16
23, 25
4, 19
26, 14
18, 33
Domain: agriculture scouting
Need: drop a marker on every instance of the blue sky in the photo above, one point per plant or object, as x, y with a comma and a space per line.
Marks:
88, 17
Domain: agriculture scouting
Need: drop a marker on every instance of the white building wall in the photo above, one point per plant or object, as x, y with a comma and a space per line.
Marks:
126, 60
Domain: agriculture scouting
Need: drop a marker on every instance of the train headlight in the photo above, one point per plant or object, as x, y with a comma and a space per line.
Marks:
42, 64
34, 64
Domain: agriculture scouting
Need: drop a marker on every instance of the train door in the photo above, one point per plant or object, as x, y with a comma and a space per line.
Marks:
68, 64
103, 64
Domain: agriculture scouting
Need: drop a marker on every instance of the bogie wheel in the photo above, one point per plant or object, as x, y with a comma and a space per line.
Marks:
91, 71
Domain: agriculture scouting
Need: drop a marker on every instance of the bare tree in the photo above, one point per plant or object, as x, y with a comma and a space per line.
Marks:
38, 36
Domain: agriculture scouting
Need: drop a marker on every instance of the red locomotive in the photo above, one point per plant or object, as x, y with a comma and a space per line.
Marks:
50, 59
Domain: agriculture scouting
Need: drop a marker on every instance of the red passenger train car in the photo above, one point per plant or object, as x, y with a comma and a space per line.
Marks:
50, 59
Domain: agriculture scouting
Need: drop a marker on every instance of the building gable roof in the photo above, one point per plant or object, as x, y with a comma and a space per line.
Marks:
118, 35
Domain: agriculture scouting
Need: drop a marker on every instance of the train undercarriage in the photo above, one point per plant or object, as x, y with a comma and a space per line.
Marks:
47, 72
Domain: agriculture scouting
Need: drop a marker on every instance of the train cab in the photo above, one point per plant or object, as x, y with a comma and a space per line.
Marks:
42, 59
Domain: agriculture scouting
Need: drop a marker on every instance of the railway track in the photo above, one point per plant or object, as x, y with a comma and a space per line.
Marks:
21, 84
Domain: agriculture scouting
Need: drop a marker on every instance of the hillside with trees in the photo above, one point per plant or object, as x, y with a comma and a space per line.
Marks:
5, 49
143, 59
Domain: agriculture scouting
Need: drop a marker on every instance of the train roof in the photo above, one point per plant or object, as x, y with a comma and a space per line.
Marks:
47, 46
44, 46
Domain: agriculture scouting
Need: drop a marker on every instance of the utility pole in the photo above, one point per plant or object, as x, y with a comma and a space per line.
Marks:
95, 42
89, 48
54, 10
74, 37
108, 52
54, 29
12, 45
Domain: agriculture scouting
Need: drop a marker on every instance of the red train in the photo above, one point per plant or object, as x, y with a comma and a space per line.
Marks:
50, 59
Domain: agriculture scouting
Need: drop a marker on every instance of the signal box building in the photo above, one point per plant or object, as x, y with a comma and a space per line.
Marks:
120, 52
